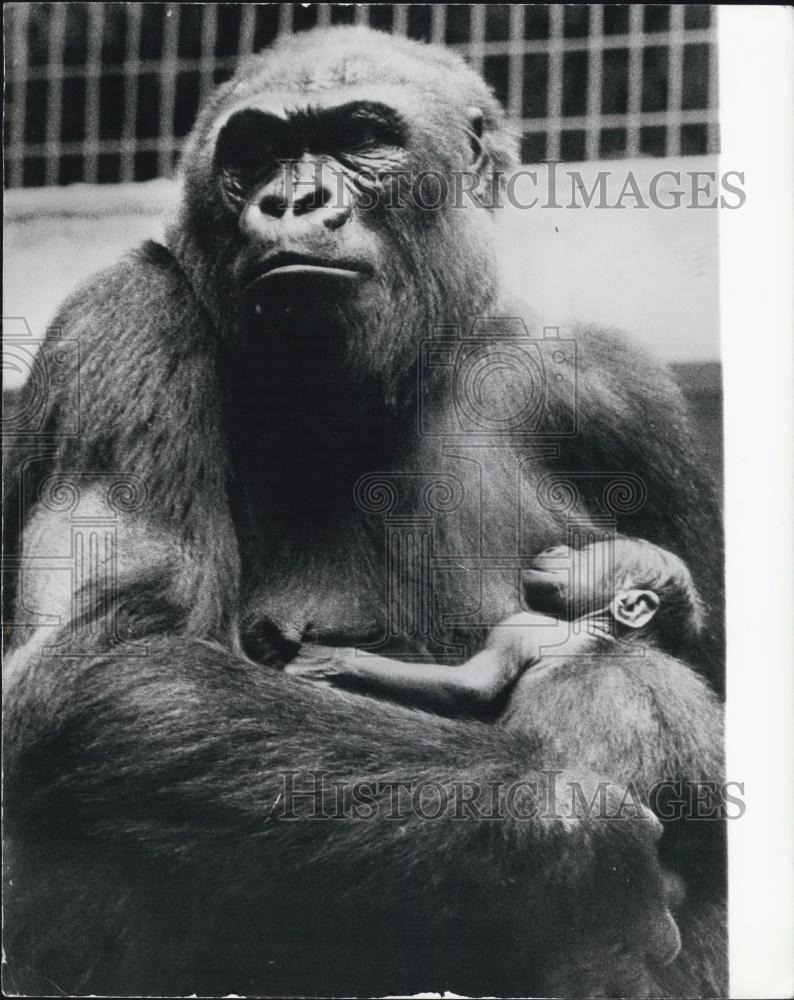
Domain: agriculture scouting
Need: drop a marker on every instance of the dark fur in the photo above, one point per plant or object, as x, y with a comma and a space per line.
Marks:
652, 723
138, 789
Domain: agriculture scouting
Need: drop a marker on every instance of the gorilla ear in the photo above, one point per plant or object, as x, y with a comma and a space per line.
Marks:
480, 160
634, 608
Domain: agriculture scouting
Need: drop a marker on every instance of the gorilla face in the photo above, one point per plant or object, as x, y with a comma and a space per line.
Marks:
332, 253
569, 582
320, 222
547, 581
310, 265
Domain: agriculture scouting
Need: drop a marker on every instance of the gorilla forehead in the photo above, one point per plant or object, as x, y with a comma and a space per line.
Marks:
334, 58
426, 83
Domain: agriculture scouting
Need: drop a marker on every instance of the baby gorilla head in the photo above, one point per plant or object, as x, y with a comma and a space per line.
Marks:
638, 589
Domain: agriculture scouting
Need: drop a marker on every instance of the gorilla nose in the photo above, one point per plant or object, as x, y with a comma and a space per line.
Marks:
303, 194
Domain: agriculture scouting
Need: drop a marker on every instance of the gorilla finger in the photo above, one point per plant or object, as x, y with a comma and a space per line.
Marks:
664, 939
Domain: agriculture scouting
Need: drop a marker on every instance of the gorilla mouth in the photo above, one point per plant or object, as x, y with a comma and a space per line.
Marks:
289, 265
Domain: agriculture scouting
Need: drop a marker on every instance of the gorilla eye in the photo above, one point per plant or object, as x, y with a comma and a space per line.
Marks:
233, 187
361, 128
247, 150
369, 131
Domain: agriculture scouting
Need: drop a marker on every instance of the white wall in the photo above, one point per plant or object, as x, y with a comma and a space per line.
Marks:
652, 272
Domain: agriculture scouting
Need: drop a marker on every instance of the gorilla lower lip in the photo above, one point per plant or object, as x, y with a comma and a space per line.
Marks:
308, 270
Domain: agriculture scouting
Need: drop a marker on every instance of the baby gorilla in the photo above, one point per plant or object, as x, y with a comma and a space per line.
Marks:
615, 598
601, 684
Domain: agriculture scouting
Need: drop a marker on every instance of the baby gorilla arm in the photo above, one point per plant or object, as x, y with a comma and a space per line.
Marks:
469, 688
474, 687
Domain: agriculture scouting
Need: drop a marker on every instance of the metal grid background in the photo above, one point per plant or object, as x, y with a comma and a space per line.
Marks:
106, 92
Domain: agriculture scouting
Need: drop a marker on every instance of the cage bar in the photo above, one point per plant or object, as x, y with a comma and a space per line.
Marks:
676, 38
515, 63
594, 78
132, 68
400, 22
57, 34
438, 23
248, 28
634, 40
555, 49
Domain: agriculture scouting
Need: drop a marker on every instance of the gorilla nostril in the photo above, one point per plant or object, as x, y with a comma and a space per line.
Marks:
311, 201
273, 205
337, 218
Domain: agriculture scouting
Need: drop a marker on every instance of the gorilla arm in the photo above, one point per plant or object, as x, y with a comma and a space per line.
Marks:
137, 412
176, 794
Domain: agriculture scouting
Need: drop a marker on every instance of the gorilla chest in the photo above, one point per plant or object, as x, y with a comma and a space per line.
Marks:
326, 589
398, 593
319, 599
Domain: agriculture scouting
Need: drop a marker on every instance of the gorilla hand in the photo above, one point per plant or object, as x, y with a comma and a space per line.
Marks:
616, 950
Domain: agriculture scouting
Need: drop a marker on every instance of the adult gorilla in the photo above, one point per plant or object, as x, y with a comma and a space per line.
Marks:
252, 399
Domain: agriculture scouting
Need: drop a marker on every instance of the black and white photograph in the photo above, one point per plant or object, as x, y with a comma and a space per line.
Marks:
397, 500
